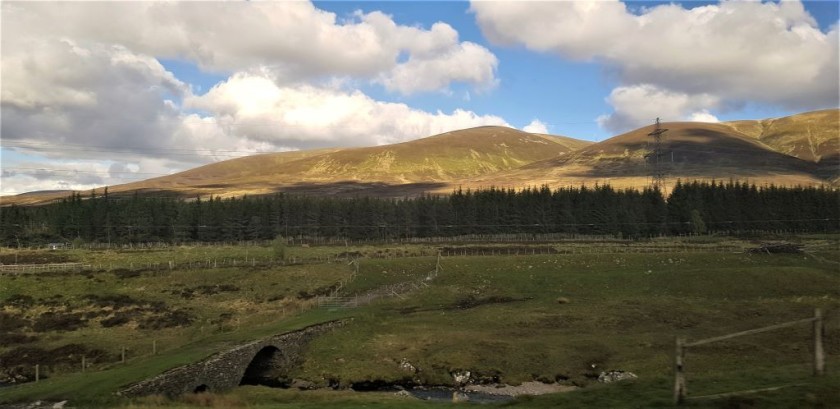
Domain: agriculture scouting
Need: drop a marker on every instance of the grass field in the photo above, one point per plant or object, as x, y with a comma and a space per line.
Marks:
549, 317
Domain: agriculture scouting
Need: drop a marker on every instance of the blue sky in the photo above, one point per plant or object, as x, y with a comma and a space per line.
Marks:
568, 96
154, 88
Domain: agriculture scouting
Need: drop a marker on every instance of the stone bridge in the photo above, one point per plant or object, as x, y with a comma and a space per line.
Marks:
261, 362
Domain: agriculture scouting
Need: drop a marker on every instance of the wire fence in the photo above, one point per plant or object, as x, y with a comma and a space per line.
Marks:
312, 240
455, 251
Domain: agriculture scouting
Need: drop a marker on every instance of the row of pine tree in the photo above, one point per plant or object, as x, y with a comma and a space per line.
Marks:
688, 208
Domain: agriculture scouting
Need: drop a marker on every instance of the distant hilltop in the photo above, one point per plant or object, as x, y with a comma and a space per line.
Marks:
802, 149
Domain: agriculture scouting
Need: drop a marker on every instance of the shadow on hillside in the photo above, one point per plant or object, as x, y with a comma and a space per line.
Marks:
696, 153
351, 188
829, 167
337, 189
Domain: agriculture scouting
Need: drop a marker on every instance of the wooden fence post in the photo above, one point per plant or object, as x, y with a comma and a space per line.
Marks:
679, 374
83, 363
819, 353
37, 372
123, 354
154, 347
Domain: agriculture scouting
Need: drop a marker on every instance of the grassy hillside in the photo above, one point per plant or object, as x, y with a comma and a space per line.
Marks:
801, 149
551, 317
692, 151
423, 165
427, 164
812, 136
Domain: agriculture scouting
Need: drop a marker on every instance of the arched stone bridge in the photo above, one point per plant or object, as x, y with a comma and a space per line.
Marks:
258, 362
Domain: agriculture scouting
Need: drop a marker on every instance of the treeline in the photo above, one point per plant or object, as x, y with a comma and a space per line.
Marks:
690, 208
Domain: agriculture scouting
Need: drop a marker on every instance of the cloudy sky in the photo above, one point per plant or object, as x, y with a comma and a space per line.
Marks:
102, 93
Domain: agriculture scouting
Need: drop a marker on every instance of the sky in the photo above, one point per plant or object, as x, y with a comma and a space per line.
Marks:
103, 93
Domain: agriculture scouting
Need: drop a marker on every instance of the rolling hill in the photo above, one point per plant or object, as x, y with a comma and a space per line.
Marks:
692, 151
811, 136
802, 149
409, 168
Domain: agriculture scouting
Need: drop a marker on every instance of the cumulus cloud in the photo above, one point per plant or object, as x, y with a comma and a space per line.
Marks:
249, 107
30, 176
536, 126
86, 78
94, 97
293, 40
640, 105
125, 116
703, 116
771, 53
465, 62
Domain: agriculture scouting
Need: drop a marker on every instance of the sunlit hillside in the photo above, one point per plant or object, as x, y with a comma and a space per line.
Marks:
802, 149
690, 151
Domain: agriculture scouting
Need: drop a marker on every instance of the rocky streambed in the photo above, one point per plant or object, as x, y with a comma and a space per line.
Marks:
488, 393
467, 390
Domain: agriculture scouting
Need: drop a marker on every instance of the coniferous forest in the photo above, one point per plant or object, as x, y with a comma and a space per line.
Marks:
689, 208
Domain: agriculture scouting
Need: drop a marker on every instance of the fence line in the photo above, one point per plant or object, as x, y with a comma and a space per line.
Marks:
680, 387
124, 355
464, 238
448, 252
31, 268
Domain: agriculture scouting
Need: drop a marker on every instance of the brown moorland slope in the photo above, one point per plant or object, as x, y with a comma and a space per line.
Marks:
812, 136
692, 151
407, 168
802, 149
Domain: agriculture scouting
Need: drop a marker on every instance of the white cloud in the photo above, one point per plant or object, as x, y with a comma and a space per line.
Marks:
536, 126
640, 105
94, 97
292, 40
465, 62
30, 176
248, 113
85, 77
254, 108
703, 116
736, 52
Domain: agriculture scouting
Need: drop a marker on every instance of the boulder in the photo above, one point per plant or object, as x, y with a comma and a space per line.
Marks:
406, 366
302, 384
462, 377
459, 396
615, 376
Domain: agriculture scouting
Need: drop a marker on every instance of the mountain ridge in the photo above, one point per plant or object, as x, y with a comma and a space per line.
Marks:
693, 151
801, 149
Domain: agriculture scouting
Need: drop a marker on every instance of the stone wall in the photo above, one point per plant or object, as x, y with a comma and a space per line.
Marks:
224, 370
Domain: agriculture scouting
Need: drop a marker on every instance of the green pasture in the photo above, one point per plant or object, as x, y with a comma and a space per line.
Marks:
546, 317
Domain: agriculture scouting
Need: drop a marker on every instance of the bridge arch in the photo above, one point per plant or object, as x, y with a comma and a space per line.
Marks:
268, 361
265, 368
